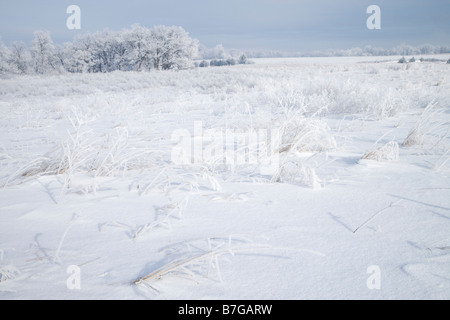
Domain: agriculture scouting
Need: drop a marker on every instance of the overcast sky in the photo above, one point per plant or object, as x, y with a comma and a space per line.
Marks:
285, 25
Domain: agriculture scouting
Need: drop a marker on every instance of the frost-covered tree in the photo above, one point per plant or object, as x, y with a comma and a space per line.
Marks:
219, 52
4, 56
427, 49
43, 52
79, 54
215, 53
140, 47
406, 50
62, 53
103, 51
19, 58
443, 49
173, 48
111, 51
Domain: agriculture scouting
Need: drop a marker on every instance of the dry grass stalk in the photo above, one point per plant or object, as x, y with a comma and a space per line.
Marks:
388, 152
8, 272
174, 208
201, 262
391, 205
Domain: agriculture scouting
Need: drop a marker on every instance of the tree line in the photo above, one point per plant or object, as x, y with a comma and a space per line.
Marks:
400, 50
135, 49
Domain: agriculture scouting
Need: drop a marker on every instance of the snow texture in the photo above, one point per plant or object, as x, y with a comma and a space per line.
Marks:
356, 206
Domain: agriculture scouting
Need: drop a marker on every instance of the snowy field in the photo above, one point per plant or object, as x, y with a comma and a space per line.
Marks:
283, 179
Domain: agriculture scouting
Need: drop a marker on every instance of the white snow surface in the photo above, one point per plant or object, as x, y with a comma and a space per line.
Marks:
87, 180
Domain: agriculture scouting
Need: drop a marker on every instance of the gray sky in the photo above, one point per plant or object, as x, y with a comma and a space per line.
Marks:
285, 25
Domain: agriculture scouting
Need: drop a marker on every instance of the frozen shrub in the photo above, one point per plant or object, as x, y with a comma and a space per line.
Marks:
242, 59
219, 63
402, 60
231, 62
204, 64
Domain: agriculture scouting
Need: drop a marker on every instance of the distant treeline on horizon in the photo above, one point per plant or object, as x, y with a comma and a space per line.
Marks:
161, 48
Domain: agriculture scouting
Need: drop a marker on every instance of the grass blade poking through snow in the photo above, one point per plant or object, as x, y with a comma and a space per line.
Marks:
199, 258
56, 256
429, 122
197, 261
388, 152
376, 214
177, 207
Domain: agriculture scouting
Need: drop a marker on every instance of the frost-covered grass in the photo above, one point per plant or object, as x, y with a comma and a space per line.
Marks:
110, 114
354, 138
431, 128
388, 152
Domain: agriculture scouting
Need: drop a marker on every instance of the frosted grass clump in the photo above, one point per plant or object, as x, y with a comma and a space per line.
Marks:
8, 272
429, 124
388, 152
199, 259
306, 135
294, 171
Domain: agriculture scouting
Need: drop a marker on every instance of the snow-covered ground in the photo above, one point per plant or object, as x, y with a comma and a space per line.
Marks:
109, 188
